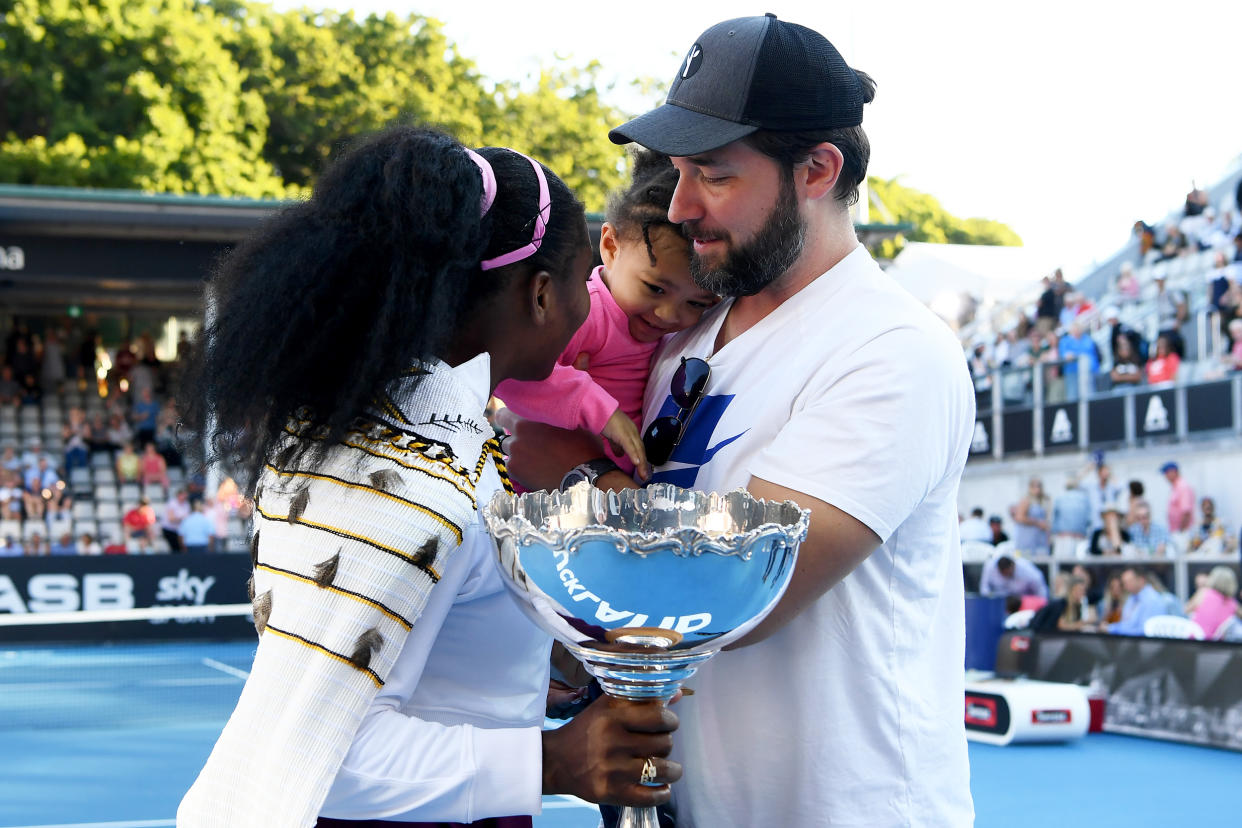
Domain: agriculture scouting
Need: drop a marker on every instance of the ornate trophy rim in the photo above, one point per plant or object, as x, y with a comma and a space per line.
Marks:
506, 517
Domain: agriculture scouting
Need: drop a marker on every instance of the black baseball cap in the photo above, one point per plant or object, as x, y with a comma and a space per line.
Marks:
748, 74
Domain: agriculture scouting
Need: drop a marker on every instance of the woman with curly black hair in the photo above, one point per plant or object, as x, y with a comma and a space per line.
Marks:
352, 348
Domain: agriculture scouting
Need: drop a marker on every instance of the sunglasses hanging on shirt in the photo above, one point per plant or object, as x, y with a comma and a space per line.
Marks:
686, 388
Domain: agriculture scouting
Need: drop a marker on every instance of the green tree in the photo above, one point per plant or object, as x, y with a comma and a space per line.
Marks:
232, 97
564, 123
932, 223
115, 94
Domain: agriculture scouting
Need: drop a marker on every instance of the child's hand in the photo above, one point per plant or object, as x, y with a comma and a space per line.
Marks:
623, 434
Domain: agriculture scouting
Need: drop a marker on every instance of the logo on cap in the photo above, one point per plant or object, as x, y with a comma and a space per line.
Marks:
693, 61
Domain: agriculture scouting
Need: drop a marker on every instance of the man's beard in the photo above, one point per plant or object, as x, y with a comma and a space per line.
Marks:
750, 268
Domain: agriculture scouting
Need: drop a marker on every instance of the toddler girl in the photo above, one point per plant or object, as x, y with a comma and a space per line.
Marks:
641, 292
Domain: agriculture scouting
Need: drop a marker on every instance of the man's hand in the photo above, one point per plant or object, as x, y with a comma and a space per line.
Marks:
599, 756
835, 544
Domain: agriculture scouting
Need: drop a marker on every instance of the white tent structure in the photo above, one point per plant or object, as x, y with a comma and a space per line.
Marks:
943, 276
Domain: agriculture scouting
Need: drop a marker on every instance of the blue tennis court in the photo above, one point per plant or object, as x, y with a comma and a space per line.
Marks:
110, 736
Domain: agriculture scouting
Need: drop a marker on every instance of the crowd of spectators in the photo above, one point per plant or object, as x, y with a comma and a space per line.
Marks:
1134, 332
95, 427
1094, 518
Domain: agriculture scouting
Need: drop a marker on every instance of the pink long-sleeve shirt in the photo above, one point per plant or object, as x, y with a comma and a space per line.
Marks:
616, 376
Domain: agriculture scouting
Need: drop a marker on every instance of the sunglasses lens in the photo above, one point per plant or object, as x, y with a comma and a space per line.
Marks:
689, 381
660, 439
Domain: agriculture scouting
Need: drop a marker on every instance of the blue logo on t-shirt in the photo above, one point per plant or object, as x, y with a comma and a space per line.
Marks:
693, 450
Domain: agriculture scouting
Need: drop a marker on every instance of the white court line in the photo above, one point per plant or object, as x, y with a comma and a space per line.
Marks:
80, 686
225, 668
142, 823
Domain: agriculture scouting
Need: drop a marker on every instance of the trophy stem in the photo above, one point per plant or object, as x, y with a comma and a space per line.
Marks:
638, 818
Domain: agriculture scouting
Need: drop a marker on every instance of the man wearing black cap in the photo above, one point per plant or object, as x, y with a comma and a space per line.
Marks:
832, 387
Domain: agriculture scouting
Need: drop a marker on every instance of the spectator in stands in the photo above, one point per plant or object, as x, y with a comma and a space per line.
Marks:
1208, 536
122, 364
1076, 344
145, 416
1181, 499
9, 459
1071, 512
1128, 287
1172, 604
36, 547
154, 468
42, 475
974, 528
25, 369
1113, 599
1127, 364
1032, 515
980, 365
1146, 235
1050, 364
1136, 497
1110, 536
140, 524
1048, 310
32, 455
176, 510
1102, 492
1148, 537
119, 432
52, 366
997, 527
1094, 595
65, 546
128, 464
1172, 244
1067, 613
1118, 331
1144, 602
76, 435
98, 439
1234, 357
1076, 305
197, 531
12, 548
1216, 602
166, 435
114, 546
11, 493
1171, 312
1005, 575
1222, 274
58, 504
1163, 365
87, 545
10, 389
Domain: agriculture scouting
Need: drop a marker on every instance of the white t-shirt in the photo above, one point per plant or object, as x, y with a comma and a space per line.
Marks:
855, 394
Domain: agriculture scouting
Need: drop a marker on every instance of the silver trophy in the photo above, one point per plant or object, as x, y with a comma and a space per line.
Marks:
644, 585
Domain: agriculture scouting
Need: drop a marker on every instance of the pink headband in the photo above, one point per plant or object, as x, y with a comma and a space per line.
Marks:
489, 196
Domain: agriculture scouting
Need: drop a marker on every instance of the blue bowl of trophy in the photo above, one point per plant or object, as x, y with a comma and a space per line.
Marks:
642, 585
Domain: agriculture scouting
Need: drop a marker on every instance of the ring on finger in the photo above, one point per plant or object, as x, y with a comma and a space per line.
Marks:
648, 776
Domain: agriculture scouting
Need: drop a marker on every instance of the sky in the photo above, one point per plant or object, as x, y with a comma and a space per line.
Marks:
1065, 120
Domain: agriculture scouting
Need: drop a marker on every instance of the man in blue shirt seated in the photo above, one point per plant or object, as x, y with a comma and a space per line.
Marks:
1004, 576
1144, 602
196, 531
1148, 537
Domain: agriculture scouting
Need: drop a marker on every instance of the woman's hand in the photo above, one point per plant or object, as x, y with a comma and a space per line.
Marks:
601, 754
